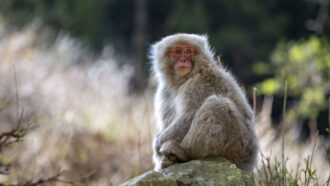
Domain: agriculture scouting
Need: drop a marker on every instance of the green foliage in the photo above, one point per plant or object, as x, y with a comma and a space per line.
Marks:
261, 68
305, 64
80, 17
269, 86
273, 173
186, 15
236, 28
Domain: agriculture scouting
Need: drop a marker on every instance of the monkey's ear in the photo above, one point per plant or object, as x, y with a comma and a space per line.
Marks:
206, 48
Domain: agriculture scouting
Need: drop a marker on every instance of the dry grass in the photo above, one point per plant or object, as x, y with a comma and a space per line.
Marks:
88, 124
299, 157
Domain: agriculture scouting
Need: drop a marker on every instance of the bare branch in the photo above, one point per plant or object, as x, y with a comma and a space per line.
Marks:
15, 135
4, 168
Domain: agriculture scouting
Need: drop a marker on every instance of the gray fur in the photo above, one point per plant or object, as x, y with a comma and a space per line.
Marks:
202, 114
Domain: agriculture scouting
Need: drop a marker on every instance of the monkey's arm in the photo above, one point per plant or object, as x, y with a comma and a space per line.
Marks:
176, 130
165, 111
188, 103
166, 143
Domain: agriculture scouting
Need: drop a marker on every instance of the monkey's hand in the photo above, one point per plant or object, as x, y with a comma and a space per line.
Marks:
163, 163
170, 153
167, 149
175, 132
173, 151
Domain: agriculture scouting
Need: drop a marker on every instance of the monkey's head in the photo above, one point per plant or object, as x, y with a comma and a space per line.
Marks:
179, 56
182, 57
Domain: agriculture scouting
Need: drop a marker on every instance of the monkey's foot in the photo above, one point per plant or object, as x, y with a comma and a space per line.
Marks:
165, 163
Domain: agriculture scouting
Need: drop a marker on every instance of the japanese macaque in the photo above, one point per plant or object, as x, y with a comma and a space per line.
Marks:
201, 111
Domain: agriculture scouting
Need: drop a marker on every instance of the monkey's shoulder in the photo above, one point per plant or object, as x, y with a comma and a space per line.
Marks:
207, 79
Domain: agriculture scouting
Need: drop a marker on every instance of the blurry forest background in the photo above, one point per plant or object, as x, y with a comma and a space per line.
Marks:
76, 93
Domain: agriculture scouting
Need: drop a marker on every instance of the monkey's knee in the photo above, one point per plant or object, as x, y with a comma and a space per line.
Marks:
215, 110
219, 105
207, 134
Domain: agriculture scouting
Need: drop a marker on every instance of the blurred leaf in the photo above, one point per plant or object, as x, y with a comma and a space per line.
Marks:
261, 68
296, 54
311, 101
305, 66
269, 86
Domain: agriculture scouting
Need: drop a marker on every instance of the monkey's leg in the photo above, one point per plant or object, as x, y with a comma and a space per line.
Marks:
206, 134
218, 130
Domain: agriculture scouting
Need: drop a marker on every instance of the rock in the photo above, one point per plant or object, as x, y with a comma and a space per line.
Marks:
214, 171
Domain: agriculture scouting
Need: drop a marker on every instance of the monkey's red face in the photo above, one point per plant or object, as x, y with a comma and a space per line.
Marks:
182, 55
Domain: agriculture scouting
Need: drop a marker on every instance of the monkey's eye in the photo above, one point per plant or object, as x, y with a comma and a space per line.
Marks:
188, 50
177, 51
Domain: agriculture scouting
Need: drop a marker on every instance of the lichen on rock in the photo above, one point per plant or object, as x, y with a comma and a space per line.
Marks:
212, 171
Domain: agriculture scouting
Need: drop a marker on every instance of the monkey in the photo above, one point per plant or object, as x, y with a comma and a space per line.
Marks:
200, 109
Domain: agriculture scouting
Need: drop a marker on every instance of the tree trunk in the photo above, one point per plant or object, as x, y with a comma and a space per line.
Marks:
139, 80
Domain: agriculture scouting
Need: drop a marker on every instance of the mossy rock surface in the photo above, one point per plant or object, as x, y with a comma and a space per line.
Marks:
215, 171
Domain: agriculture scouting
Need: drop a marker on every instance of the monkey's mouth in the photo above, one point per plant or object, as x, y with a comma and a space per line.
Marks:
183, 67
186, 64
183, 70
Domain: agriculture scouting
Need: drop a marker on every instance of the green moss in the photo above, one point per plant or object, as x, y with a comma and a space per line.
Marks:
213, 171
151, 178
